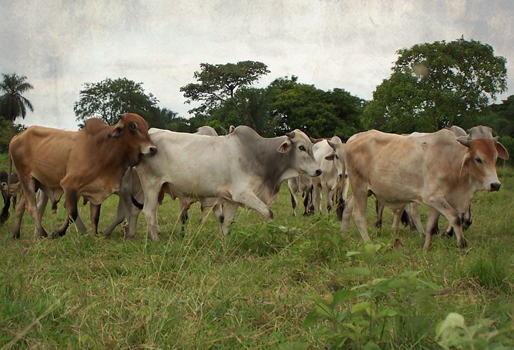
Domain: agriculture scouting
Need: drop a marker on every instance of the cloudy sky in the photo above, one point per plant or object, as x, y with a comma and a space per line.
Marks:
60, 45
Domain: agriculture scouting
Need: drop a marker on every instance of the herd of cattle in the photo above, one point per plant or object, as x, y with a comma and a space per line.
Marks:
441, 170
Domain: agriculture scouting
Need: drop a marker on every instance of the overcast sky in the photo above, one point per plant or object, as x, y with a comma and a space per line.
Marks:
348, 44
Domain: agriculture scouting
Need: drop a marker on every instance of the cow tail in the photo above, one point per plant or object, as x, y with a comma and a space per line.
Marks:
7, 200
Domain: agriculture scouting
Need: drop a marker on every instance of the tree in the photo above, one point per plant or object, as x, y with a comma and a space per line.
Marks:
219, 82
12, 103
7, 131
436, 85
110, 98
316, 112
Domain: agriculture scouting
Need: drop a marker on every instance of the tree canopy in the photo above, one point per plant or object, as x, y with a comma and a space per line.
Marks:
436, 85
110, 98
12, 103
218, 82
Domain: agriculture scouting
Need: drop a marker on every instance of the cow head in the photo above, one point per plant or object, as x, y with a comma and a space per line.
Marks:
337, 154
301, 147
480, 160
132, 129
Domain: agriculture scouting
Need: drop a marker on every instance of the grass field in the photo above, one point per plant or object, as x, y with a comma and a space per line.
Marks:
255, 288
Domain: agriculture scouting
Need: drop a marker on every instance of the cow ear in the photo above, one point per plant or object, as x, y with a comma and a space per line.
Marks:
466, 163
502, 151
285, 146
464, 140
117, 131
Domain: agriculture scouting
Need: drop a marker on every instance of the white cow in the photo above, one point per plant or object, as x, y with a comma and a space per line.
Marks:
241, 168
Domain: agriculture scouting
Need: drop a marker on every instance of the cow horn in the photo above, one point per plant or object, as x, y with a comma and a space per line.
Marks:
313, 140
290, 134
122, 116
464, 140
495, 139
331, 144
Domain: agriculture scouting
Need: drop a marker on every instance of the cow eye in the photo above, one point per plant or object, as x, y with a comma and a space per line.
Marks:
133, 126
479, 160
302, 148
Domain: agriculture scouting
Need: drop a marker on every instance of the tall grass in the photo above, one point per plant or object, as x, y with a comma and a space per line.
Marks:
252, 289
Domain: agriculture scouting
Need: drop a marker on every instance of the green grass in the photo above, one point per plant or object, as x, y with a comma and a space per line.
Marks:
247, 291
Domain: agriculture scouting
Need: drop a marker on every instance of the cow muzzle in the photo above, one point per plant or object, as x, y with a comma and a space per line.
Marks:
495, 186
318, 172
149, 151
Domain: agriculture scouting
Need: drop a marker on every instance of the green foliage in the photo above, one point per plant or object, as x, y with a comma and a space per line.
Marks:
319, 113
380, 311
452, 333
436, 85
219, 82
110, 98
7, 131
12, 103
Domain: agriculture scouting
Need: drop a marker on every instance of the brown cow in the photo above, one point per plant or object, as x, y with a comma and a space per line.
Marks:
88, 163
438, 170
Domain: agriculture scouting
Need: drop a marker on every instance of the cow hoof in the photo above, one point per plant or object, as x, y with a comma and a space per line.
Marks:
16, 236
463, 243
55, 235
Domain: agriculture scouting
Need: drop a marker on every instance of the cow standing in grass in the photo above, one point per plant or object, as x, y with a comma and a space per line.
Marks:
88, 163
438, 170
239, 169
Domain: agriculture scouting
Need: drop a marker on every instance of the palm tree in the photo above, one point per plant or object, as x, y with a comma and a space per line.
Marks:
12, 103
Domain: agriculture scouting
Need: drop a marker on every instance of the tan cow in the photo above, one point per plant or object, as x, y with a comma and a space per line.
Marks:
88, 163
438, 170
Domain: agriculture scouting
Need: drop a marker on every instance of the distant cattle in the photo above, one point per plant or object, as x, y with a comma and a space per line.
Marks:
241, 168
131, 196
88, 163
8, 195
301, 184
438, 170
328, 154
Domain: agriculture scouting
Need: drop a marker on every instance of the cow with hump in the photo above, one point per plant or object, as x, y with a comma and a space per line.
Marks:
240, 169
89, 163
438, 170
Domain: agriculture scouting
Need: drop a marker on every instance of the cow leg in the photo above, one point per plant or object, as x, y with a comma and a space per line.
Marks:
121, 214
292, 186
308, 206
453, 217
317, 196
29, 192
70, 202
413, 210
42, 201
150, 213
250, 200
18, 215
346, 216
432, 219
218, 212
184, 214
229, 212
397, 215
359, 199
328, 198
379, 207
95, 218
